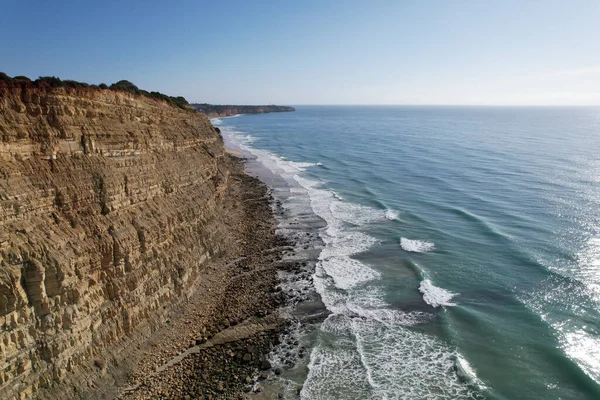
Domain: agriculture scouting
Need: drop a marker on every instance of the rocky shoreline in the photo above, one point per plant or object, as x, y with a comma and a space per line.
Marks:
215, 345
221, 342
302, 309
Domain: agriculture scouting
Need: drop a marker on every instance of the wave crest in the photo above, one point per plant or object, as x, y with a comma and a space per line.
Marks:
436, 296
391, 214
416, 246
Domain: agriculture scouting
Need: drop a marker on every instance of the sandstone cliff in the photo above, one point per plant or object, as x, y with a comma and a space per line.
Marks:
213, 111
111, 206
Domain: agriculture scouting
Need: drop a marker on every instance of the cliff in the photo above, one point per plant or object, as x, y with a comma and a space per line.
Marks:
113, 207
213, 111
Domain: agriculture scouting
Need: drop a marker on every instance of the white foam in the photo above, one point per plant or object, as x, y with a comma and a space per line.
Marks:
219, 120
303, 165
344, 243
355, 214
466, 372
402, 363
340, 242
347, 272
365, 301
357, 358
416, 246
391, 214
364, 348
336, 372
435, 296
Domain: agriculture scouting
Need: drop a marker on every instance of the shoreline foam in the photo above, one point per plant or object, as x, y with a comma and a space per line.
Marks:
353, 303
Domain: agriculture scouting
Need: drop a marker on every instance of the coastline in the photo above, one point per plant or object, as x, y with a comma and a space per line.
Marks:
216, 110
215, 346
238, 332
461, 371
391, 332
246, 347
273, 338
302, 311
321, 317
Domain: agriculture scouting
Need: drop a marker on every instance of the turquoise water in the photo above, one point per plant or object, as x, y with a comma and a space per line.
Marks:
462, 247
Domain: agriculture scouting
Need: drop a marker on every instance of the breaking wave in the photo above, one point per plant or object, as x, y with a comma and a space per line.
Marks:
416, 246
435, 296
391, 214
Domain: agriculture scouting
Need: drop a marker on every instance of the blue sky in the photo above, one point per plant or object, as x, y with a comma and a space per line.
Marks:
316, 52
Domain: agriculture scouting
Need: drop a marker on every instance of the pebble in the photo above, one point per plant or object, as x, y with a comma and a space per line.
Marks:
225, 371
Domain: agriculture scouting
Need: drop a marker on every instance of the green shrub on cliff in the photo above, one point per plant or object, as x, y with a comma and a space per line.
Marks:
178, 101
75, 84
56, 82
125, 86
53, 81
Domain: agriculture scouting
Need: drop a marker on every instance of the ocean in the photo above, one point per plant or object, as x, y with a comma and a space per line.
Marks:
460, 247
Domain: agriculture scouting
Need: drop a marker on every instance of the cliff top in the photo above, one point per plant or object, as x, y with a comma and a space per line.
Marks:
49, 83
52, 82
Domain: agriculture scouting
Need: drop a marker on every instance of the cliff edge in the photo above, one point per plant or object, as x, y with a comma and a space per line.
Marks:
115, 208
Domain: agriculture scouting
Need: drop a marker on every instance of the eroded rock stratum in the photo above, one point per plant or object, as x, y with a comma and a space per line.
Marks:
109, 211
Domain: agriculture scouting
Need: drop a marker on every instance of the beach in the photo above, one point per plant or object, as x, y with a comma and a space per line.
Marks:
214, 345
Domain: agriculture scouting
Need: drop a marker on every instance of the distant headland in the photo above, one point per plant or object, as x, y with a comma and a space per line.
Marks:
213, 111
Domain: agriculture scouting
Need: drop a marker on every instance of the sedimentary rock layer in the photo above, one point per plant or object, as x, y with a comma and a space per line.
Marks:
110, 209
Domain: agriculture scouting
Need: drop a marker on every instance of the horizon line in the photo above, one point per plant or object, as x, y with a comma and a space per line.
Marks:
413, 105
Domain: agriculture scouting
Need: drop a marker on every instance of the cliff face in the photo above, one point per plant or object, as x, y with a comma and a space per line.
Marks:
109, 210
213, 111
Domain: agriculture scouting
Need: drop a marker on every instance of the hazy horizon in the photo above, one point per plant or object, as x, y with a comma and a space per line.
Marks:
508, 53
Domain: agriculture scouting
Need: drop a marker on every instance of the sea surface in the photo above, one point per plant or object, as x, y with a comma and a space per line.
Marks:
461, 254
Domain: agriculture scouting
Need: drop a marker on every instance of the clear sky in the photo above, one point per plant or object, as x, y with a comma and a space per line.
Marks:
315, 52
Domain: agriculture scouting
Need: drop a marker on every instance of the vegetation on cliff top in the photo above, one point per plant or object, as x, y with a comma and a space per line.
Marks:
47, 82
